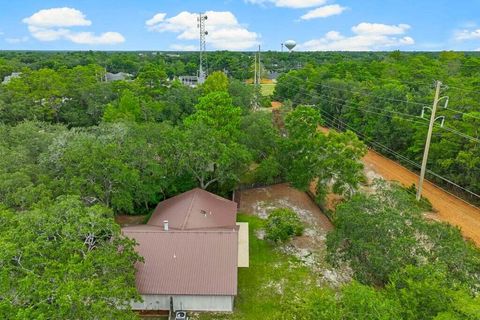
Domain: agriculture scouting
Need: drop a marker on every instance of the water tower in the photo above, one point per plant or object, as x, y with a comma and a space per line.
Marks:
290, 44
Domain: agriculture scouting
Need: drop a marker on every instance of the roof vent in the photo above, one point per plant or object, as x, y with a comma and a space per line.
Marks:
165, 225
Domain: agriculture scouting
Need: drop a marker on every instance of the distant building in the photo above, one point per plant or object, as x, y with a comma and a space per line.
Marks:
192, 247
190, 81
273, 75
9, 78
121, 76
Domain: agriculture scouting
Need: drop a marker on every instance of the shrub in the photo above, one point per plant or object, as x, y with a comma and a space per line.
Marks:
382, 233
268, 170
282, 225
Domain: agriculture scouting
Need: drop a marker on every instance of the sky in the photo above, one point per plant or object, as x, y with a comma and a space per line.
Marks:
241, 25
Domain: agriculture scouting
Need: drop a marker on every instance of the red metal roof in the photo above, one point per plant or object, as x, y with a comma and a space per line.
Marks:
195, 209
197, 255
185, 262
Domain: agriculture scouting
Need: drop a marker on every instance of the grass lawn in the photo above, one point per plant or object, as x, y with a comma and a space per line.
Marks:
271, 280
267, 89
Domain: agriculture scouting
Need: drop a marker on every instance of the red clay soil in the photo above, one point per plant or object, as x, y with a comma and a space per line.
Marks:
276, 104
449, 208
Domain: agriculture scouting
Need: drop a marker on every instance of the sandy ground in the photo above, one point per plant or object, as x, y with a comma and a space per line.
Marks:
310, 248
260, 201
448, 207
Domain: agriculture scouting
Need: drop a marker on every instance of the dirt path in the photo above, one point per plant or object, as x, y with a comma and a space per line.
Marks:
449, 208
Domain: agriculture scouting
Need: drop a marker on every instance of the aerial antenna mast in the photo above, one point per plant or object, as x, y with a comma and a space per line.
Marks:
203, 33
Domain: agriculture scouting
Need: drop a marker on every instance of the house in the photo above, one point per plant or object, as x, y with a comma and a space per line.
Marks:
9, 78
121, 76
191, 252
189, 81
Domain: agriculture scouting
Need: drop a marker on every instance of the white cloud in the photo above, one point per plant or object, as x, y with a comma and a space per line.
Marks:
296, 4
57, 17
53, 24
17, 40
367, 37
90, 38
224, 30
465, 34
380, 29
324, 12
159, 17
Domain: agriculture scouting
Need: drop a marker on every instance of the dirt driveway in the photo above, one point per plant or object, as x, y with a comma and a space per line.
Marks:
449, 208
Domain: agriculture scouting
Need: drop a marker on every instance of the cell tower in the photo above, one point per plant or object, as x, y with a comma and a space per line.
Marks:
202, 75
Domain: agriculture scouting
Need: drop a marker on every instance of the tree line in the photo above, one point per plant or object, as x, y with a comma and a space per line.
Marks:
381, 100
77, 150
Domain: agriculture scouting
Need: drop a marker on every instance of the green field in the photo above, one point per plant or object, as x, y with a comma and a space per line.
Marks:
267, 88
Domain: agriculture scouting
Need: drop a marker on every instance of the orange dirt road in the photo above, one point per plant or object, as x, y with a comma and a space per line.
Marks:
449, 208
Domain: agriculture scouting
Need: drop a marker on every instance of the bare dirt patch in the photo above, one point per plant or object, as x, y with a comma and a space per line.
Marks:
310, 248
126, 220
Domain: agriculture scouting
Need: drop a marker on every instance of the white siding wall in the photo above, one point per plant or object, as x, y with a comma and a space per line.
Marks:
183, 302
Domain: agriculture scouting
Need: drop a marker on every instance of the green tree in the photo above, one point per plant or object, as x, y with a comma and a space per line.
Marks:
65, 261
216, 111
210, 158
333, 160
215, 82
242, 94
426, 293
127, 108
386, 233
364, 302
153, 78
211, 148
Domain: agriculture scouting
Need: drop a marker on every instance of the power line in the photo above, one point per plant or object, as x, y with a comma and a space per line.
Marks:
370, 107
461, 112
463, 89
348, 104
363, 93
466, 136
402, 157
396, 154
386, 99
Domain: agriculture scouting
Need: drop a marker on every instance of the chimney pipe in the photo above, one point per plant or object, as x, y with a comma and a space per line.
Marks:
165, 225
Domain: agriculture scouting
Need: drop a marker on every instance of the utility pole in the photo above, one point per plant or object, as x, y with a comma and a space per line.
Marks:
429, 136
259, 67
255, 72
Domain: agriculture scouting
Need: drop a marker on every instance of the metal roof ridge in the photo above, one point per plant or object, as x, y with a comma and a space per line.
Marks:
189, 209
233, 230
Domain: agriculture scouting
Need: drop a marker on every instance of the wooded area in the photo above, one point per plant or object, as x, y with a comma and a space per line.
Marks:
77, 149
381, 100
